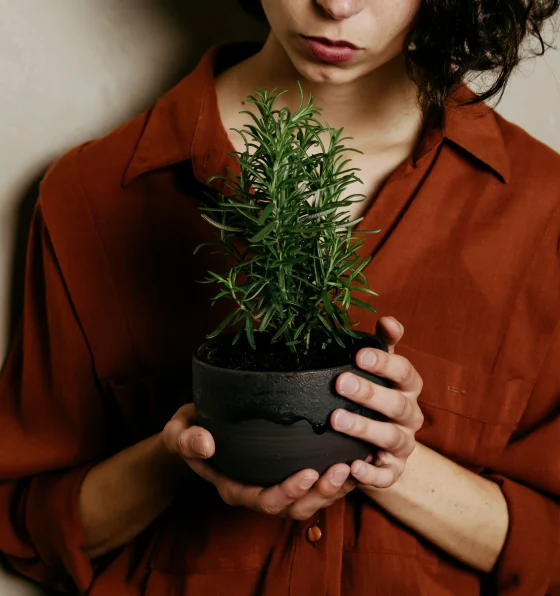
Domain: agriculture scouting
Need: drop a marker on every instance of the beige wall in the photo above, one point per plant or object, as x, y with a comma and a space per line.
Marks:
73, 69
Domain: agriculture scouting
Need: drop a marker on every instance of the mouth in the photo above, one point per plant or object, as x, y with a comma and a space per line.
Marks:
330, 51
335, 43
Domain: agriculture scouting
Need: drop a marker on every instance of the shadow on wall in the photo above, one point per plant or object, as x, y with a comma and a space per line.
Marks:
210, 22
202, 24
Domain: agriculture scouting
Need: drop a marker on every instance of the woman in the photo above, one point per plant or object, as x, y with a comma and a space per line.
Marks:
104, 485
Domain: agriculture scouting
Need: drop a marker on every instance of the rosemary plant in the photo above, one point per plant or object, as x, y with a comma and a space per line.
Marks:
295, 257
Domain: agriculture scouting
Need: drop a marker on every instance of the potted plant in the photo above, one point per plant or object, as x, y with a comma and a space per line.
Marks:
266, 390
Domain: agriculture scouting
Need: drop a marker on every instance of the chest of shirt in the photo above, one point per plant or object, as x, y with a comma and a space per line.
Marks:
449, 263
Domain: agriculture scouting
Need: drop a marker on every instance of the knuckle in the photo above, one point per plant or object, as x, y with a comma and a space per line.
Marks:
399, 407
410, 448
326, 490
406, 370
227, 497
300, 515
291, 494
395, 440
369, 392
184, 412
184, 416
360, 427
406, 448
393, 477
167, 435
268, 509
172, 434
382, 361
382, 459
387, 480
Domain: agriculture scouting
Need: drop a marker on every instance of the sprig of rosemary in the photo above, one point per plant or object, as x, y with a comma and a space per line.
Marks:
296, 262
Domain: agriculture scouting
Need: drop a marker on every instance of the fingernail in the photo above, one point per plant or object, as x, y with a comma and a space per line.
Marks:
199, 446
343, 420
308, 481
349, 384
358, 470
397, 325
338, 477
368, 358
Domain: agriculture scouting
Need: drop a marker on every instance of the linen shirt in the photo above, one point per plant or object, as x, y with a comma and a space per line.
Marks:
467, 260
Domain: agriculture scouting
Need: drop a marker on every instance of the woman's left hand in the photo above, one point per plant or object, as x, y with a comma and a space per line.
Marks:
394, 439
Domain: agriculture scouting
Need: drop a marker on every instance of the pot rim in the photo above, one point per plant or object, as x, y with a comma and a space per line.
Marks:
341, 367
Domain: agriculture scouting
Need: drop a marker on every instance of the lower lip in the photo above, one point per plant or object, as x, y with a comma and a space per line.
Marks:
328, 53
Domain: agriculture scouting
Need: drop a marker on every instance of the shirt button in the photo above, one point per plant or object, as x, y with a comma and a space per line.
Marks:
314, 534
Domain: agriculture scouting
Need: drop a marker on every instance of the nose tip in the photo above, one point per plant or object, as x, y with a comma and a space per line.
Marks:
341, 9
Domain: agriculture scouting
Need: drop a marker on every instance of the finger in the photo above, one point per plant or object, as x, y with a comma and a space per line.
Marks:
182, 419
390, 331
196, 442
206, 471
267, 500
377, 476
331, 486
181, 437
384, 435
391, 403
275, 499
393, 367
233, 493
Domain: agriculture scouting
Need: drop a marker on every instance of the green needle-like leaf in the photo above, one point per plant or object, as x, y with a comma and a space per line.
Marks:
263, 233
222, 325
284, 222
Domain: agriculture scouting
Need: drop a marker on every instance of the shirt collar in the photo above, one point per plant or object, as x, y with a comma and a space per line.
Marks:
185, 125
475, 129
171, 125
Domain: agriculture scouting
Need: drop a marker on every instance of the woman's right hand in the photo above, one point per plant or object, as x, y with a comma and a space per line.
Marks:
299, 497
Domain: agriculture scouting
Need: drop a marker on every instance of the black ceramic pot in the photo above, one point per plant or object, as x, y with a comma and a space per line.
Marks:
269, 425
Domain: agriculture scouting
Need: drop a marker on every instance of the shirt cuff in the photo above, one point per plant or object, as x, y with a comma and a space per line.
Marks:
525, 565
55, 530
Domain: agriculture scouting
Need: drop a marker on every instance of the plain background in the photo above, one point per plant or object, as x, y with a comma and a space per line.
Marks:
72, 70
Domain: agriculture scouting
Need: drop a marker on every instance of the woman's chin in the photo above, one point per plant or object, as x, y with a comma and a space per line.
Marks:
325, 74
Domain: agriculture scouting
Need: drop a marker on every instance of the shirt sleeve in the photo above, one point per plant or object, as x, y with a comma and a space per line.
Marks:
528, 472
54, 424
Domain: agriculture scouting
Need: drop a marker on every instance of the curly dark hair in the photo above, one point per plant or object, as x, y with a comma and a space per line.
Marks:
454, 38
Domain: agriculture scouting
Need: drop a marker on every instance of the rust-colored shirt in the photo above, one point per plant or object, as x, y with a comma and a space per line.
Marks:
467, 259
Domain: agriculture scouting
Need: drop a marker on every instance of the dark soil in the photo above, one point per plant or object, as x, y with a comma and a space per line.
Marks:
278, 357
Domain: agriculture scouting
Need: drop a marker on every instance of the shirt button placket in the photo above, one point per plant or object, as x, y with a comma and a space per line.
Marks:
309, 569
317, 555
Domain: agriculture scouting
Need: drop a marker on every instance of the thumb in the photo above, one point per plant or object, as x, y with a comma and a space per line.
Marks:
390, 331
183, 438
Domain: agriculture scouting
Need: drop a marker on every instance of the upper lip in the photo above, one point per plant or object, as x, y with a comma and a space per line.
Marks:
334, 42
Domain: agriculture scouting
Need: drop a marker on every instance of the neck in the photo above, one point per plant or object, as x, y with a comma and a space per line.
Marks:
378, 110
